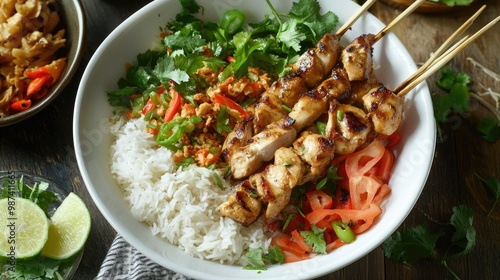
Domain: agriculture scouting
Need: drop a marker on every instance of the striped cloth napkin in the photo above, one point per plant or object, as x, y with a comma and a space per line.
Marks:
124, 262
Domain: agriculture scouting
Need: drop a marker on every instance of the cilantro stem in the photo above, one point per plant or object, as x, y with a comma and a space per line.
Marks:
275, 13
445, 264
492, 207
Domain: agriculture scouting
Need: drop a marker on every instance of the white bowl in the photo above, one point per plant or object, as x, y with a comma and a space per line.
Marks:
92, 140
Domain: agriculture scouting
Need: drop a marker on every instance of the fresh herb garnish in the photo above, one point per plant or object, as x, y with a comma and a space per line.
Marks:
419, 242
457, 97
315, 239
258, 260
494, 186
489, 129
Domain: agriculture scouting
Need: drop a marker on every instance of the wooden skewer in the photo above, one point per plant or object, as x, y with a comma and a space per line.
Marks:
406, 12
355, 17
442, 48
445, 58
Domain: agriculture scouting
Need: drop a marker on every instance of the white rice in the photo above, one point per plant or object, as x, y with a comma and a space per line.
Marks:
179, 205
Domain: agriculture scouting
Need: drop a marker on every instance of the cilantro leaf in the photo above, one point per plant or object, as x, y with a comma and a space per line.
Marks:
494, 186
315, 239
291, 35
457, 98
489, 129
257, 258
412, 245
464, 237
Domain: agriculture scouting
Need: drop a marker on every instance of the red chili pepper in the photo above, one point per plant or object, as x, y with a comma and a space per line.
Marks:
21, 105
37, 84
173, 107
222, 100
148, 107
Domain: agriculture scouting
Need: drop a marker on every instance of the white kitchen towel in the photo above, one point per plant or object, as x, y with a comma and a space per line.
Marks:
124, 262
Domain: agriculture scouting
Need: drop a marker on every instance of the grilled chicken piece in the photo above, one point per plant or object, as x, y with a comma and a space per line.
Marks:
357, 58
238, 137
269, 108
261, 147
307, 109
242, 206
288, 89
248, 159
385, 110
360, 89
316, 150
337, 86
309, 70
317, 62
348, 126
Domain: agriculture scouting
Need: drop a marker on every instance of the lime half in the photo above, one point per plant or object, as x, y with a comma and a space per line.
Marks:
24, 228
69, 229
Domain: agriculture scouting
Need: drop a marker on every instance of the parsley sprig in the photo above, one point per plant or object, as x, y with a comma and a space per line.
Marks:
419, 242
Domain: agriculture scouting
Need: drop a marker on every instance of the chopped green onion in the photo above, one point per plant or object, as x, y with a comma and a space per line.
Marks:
321, 127
340, 115
219, 181
286, 108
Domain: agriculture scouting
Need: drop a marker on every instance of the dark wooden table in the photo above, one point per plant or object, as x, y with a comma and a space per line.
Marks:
43, 144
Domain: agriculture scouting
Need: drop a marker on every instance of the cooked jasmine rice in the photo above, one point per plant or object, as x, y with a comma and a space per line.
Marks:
179, 205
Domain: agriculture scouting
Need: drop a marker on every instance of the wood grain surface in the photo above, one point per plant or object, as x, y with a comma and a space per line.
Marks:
43, 144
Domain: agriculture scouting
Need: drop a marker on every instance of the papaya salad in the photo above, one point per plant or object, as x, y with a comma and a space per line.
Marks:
296, 125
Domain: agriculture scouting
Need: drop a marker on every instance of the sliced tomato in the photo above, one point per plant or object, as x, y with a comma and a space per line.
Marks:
318, 199
299, 239
362, 190
291, 257
386, 164
342, 199
298, 222
286, 244
334, 245
393, 139
367, 216
362, 161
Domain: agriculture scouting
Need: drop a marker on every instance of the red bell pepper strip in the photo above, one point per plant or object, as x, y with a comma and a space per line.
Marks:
173, 107
21, 105
222, 100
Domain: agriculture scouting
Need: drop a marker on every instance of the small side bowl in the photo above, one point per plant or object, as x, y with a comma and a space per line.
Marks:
30, 179
73, 20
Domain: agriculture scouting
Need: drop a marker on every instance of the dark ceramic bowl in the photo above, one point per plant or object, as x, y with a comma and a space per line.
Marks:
73, 20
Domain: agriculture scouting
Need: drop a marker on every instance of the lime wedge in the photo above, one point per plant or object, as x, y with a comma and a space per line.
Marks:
69, 229
24, 228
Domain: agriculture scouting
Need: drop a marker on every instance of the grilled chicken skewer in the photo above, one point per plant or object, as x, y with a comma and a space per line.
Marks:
263, 190
356, 59
286, 91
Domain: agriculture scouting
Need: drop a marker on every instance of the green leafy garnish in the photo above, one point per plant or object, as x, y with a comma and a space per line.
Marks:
419, 242
258, 260
489, 129
494, 186
315, 239
457, 97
